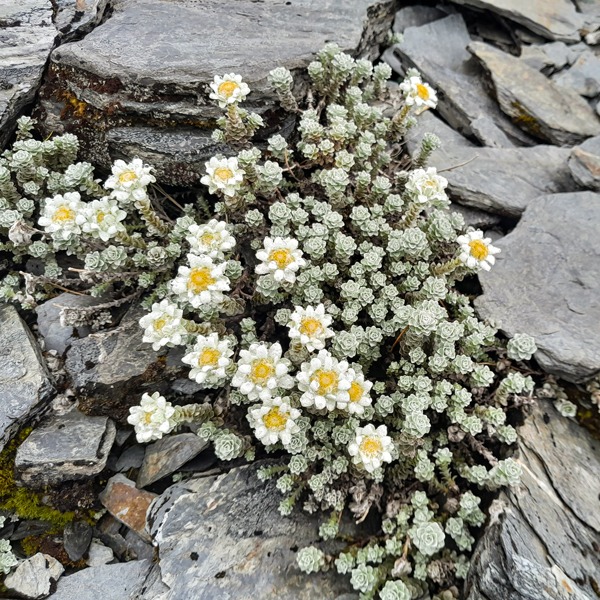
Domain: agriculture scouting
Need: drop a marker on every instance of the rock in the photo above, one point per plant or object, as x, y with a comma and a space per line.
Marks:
415, 16
490, 134
138, 73
77, 536
478, 219
131, 458
137, 548
99, 554
584, 163
72, 22
57, 336
65, 448
216, 534
127, 504
553, 19
553, 254
119, 581
583, 76
537, 104
165, 456
542, 543
500, 180
25, 385
541, 56
35, 577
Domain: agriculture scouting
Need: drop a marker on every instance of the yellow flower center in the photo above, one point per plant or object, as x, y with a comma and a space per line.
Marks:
356, 391
227, 88
160, 323
208, 238
100, 216
479, 249
371, 446
200, 279
422, 91
310, 326
148, 418
327, 380
282, 257
209, 357
63, 214
127, 176
223, 173
261, 371
275, 420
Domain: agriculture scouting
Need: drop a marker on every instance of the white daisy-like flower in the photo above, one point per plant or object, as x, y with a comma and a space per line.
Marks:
274, 421
425, 185
261, 371
153, 418
418, 94
209, 358
229, 89
60, 215
281, 257
325, 382
102, 218
311, 326
202, 282
358, 393
224, 175
163, 326
371, 447
129, 181
211, 239
476, 251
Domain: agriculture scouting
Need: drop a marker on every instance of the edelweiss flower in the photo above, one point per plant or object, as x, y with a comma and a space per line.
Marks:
211, 239
311, 326
223, 174
280, 257
261, 371
371, 447
202, 282
418, 94
229, 89
153, 418
209, 359
426, 185
325, 382
102, 218
163, 326
477, 251
358, 393
274, 421
60, 215
129, 180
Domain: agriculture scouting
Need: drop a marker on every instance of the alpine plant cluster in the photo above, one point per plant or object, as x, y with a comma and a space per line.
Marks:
315, 290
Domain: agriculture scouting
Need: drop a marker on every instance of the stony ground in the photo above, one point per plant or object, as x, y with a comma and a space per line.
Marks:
519, 84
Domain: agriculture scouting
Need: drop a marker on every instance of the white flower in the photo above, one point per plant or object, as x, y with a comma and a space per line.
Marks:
358, 393
163, 326
211, 239
418, 94
311, 326
261, 371
202, 282
153, 418
60, 215
102, 218
280, 257
209, 359
229, 89
274, 421
371, 447
425, 185
223, 174
325, 382
477, 251
129, 180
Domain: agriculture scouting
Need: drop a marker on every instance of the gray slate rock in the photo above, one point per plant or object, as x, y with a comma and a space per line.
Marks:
542, 543
553, 19
99, 554
131, 458
25, 385
553, 55
490, 134
72, 23
217, 534
583, 76
77, 536
546, 283
35, 577
65, 448
415, 16
534, 102
584, 163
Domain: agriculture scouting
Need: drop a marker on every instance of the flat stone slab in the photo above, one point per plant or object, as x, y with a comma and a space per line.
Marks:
65, 448
35, 577
584, 163
546, 283
537, 104
583, 76
25, 385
